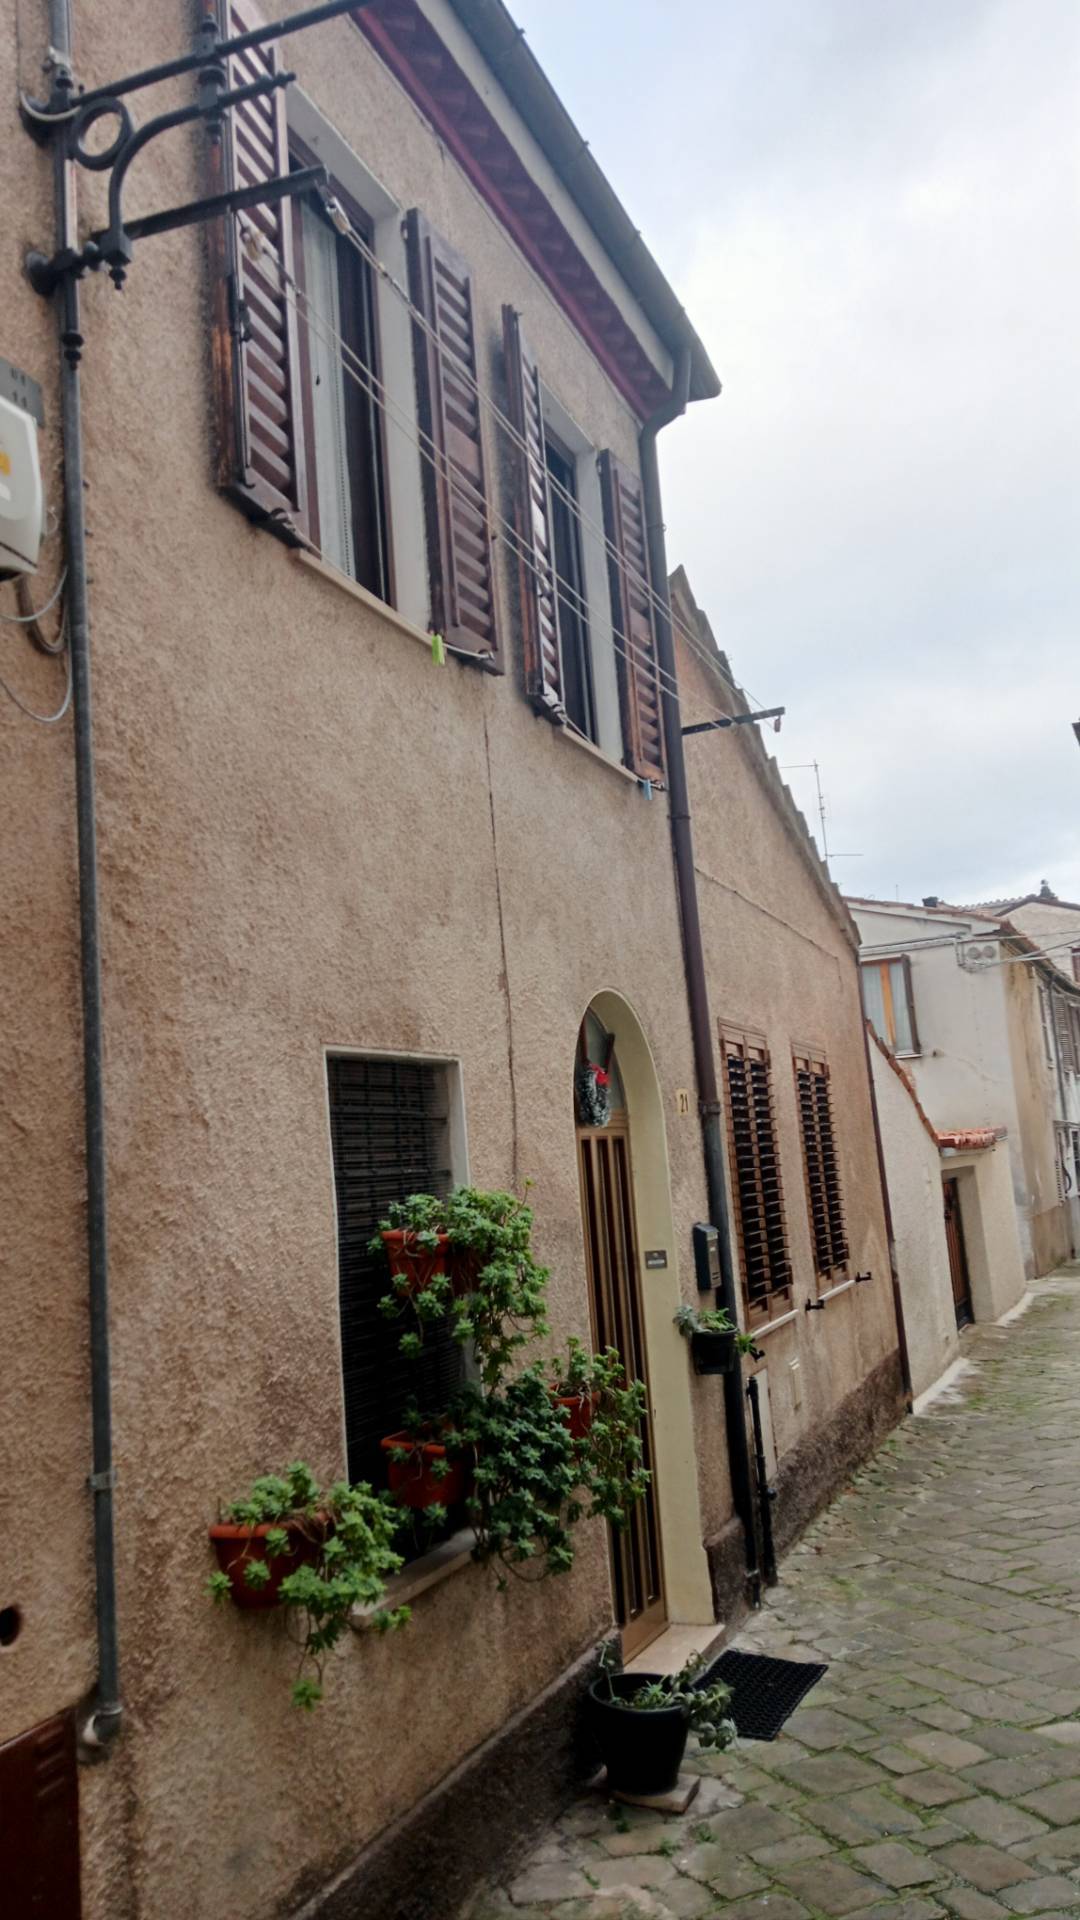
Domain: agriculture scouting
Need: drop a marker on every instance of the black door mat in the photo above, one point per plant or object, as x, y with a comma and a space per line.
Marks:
763, 1691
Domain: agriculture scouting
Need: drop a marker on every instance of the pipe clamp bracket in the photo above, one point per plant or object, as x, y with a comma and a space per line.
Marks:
102, 1482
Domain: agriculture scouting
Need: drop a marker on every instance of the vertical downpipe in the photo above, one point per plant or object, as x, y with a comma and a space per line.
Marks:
694, 953
103, 1712
890, 1236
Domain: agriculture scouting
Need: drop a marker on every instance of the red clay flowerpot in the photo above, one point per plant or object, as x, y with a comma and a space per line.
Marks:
413, 1481
236, 1545
581, 1407
411, 1262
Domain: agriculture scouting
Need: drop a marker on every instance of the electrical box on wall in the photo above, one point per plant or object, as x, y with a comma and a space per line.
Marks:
22, 501
707, 1257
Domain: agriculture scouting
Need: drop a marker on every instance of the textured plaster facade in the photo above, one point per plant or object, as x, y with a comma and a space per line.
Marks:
312, 838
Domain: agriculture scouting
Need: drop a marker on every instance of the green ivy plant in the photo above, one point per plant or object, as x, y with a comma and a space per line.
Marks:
691, 1320
352, 1528
706, 1707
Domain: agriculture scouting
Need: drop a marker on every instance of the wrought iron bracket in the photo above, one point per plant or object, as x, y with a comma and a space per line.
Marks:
70, 118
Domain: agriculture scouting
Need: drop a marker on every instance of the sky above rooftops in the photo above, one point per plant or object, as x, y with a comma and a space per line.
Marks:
870, 212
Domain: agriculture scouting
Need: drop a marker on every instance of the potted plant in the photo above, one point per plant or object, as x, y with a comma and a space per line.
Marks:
576, 1389
314, 1552
641, 1722
414, 1239
426, 1466
714, 1340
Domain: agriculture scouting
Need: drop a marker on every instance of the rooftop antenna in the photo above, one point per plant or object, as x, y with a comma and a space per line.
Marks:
805, 766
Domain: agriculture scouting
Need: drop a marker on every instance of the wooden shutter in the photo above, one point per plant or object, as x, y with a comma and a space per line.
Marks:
532, 520
632, 613
455, 496
819, 1159
1066, 1048
755, 1167
39, 1827
256, 362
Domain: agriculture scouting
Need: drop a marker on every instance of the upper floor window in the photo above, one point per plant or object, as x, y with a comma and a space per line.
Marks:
1075, 957
889, 1003
581, 560
339, 375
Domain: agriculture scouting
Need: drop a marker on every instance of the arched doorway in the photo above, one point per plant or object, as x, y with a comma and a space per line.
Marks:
615, 1303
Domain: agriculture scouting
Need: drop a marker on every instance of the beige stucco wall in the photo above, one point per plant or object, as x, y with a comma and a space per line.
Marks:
913, 1168
1052, 924
991, 1236
782, 962
300, 823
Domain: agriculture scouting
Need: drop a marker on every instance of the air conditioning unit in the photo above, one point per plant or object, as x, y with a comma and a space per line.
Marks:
22, 501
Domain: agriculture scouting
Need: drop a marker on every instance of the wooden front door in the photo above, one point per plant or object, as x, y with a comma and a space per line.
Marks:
958, 1267
607, 1203
39, 1824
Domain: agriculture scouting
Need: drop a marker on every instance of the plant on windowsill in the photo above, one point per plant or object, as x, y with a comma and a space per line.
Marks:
642, 1721
488, 1280
714, 1340
315, 1552
535, 1470
426, 1466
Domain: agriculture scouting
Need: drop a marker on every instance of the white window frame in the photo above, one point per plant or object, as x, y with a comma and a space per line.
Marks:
401, 427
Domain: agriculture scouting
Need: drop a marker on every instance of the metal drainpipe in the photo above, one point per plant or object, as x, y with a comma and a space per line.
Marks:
886, 1202
102, 1714
694, 953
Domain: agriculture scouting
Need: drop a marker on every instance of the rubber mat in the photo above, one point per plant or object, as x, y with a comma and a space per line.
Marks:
764, 1691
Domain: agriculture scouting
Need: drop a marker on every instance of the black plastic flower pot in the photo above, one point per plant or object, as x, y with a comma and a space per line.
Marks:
642, 1748
713, 1352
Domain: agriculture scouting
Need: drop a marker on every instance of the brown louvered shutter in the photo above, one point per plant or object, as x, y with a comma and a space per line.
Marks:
755, 1173
819, 1157
455, 495
39, 1823
256, 364
532, 521
1066, 1049
632, 613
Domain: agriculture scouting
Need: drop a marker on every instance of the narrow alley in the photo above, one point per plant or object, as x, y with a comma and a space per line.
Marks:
936, 1767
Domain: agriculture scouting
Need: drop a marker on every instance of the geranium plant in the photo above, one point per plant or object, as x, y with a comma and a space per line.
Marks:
338, 1544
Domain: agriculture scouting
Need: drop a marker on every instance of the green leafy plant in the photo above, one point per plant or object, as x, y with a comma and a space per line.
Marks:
351, 1530
691, 1320
705, 1706
493, 1289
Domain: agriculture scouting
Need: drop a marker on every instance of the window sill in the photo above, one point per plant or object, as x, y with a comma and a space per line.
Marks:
355, 591
429, 1571
595, 752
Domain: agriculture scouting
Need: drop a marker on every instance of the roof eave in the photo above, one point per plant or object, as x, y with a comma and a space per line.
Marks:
525, 84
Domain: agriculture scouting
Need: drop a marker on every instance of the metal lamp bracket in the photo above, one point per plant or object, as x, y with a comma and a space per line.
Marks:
75, 117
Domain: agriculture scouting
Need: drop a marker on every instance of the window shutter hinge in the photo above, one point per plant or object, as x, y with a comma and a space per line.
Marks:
239, 321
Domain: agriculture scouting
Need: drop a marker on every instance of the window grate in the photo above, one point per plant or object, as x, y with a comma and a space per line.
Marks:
389, 1131
819, 1158
756, 1175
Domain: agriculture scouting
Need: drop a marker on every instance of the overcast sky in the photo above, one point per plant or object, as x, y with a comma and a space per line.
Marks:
870, 210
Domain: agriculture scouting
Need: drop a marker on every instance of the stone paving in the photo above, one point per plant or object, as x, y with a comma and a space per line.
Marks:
935, 1770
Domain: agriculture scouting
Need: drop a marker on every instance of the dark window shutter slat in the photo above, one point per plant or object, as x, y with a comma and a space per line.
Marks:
455, 493
532, 520
254, 333
814, 1098
632, 613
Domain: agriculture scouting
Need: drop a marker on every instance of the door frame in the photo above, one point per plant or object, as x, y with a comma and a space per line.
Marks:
956, 1245
677, 1466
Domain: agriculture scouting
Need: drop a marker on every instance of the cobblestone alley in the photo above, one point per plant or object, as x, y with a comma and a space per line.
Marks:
935, 1770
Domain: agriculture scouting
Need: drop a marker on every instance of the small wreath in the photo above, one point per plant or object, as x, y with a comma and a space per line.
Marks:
593, 1088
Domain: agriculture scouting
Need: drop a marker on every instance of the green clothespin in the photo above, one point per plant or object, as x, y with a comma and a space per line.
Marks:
438, 649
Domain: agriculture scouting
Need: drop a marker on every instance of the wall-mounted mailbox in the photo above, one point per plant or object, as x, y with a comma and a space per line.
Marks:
706, 1257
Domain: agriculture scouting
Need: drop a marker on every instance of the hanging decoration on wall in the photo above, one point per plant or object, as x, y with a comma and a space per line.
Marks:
593, 1088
